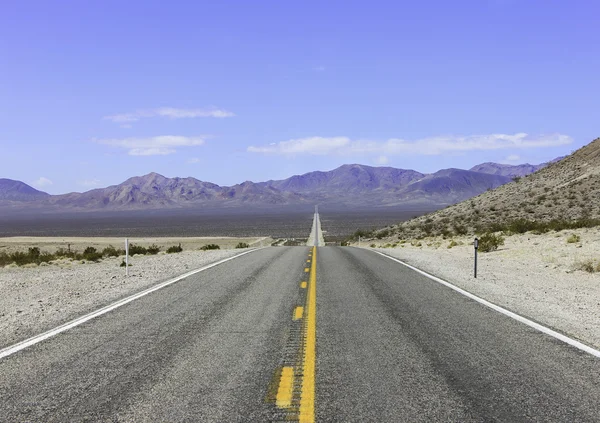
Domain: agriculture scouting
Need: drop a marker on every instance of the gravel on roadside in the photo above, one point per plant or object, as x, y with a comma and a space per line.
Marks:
536, 276
38, 298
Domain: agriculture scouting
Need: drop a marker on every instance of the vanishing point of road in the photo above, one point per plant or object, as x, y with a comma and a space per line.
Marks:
315, 333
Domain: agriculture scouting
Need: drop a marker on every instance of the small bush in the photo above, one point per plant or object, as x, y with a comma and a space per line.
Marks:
490, 242
372, 245
111, 251
137, 249
212, 247
586, 266
453, 243
242, 245
573, 239
91, 254
154, 249
123, 264
175, 249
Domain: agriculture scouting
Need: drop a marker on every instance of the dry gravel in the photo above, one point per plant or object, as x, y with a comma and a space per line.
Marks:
38, 298
535, 276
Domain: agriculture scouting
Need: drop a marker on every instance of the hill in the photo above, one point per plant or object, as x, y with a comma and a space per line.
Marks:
563, 194
11, 190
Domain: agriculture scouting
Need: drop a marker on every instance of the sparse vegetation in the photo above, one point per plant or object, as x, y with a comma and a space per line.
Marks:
490, 242
242, 245
452, 243
212, 247
174, 249
574, 238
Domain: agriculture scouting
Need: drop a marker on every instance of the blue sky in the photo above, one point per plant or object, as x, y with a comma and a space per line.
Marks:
94, 92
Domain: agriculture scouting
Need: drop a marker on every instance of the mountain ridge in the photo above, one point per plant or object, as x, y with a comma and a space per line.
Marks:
348, 185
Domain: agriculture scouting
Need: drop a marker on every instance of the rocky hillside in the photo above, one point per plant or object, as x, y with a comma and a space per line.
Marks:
565, 193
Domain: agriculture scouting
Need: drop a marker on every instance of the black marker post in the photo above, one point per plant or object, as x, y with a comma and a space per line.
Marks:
476, 245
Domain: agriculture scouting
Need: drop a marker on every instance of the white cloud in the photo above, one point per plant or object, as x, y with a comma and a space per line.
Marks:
89, 182
382, 160
313, 145
513, 158
193, 160
42, 182
153, 146
125, 119
425, 146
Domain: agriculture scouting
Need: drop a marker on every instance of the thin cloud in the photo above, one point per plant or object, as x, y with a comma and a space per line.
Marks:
153, 146
42, 182
193, 160
168, 112
421, 147
513, 158
89, 183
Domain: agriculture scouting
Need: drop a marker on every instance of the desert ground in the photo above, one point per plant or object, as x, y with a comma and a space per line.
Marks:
543, 277
37, 298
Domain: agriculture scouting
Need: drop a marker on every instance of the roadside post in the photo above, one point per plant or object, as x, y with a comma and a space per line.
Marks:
126, 256
476, 245
359, 241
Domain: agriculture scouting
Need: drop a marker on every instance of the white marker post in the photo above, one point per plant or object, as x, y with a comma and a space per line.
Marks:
126, 256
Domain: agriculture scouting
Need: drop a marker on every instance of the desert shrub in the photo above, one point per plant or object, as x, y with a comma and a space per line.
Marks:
215, 247
573, 239
460, 229
175, 249
123, 264
490, 242
137, 249
153, 249
242, 245
382, 234
111, 251
452, 243
372, 245
520, 226
91, 254
586, 266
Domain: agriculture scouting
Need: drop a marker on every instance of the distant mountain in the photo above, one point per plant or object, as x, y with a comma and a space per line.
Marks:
353, 178
507, 170
11, 190
352, 185
453, 185
511, 170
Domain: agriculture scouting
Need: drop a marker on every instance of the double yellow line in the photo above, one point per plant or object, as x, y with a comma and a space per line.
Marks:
306, 371
307, 399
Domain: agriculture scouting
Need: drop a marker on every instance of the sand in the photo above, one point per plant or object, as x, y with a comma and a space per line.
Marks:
536, 276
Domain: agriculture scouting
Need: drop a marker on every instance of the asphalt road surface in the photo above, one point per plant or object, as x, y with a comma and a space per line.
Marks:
233, 343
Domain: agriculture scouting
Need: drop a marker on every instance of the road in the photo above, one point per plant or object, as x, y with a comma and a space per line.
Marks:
233, 343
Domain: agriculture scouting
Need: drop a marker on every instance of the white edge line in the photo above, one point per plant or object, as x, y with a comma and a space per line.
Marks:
502, 310
80, 320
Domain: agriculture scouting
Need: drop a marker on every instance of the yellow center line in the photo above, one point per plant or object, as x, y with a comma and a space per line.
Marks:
306, 270
308, 261
303, 284
307, 398
286, 388
298, 311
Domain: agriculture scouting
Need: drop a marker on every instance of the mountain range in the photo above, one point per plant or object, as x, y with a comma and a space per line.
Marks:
351, 185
